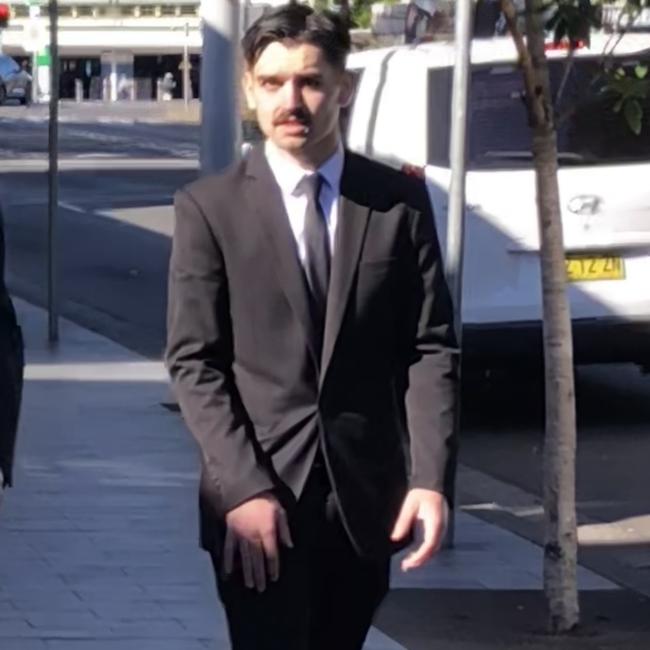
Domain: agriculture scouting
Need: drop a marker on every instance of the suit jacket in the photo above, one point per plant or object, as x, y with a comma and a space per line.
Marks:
379, 400
11, 371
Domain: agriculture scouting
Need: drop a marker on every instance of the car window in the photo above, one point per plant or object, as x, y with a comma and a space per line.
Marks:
439, 111
590, 130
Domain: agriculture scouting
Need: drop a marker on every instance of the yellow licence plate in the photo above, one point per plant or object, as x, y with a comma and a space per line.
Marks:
580, 269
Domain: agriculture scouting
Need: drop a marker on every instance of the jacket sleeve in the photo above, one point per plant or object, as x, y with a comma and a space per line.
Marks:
199, 356
11, 372
431, 398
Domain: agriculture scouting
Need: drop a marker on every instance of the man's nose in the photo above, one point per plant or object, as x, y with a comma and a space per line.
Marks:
292, 96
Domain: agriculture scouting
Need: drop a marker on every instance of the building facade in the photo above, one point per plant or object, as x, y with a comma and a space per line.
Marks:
115, 49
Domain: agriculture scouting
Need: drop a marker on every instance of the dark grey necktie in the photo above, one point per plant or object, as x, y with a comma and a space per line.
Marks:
317, 249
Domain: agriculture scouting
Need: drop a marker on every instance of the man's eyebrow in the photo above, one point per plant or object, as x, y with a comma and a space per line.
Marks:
315, 74
268, 77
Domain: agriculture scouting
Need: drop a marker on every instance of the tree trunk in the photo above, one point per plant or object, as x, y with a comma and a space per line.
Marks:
560, 548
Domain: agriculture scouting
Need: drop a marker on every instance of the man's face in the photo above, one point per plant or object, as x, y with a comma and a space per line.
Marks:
297, 96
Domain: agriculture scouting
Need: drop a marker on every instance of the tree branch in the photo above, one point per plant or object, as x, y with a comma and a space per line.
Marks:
568, 65
632, 12
533, 88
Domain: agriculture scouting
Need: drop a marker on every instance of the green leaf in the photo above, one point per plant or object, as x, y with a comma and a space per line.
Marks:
620, 73
560, 31
641, 71
618, 106
633, 113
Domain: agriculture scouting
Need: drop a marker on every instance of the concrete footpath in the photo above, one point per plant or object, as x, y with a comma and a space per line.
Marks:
98, 545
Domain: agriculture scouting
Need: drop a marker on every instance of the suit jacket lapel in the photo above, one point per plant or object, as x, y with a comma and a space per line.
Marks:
268, 203
351, 230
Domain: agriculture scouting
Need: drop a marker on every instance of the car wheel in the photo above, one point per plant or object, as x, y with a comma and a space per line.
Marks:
3, 95
27, 97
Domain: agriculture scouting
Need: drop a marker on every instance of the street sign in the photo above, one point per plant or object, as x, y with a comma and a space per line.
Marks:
36, 34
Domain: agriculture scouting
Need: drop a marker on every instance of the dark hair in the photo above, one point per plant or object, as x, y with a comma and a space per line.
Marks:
299, 24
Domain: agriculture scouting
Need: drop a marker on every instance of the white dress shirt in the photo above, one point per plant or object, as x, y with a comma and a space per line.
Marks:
289, 174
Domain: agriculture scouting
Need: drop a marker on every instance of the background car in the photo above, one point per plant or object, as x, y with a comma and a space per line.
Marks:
15, 83
401, 116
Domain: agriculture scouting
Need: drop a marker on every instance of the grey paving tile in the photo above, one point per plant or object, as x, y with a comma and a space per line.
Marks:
109, 593
128, 644
45, 586
118, 611
23, 644
377, 640
180, 593
437, 583
15, 628
69, 620
151, 629
163, 575
62, 602
6, 606
89, 571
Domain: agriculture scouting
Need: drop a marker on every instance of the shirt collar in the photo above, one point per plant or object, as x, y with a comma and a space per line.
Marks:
289, 174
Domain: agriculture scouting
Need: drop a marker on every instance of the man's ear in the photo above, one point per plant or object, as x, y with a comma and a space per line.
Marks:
348, 85
247, 83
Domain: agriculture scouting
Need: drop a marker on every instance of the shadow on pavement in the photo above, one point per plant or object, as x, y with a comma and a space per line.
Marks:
509, 620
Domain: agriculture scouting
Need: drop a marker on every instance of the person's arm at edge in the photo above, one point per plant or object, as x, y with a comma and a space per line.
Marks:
12, 366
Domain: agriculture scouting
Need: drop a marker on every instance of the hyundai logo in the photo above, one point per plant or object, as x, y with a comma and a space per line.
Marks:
585, 204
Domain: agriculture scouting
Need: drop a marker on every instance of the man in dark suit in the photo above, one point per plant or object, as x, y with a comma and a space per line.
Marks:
11, 374
311, 349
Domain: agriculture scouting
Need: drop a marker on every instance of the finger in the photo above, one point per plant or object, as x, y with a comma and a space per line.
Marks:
404, 521
284, 531
431, 540
270, 546
259, 567
246, 563
229, 552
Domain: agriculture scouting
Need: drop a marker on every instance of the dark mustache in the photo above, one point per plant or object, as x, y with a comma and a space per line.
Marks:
296, 114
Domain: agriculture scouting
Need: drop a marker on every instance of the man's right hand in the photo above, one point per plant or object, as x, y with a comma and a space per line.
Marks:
253, 530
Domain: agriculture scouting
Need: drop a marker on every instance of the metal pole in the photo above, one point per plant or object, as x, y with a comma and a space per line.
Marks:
244, 17
220, 121
186, 66
53, 187
34, 88
457, 158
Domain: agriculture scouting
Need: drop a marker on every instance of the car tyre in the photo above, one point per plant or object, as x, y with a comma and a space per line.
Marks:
3, 94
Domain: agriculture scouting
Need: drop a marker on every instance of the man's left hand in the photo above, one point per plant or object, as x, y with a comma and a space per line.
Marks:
431, 509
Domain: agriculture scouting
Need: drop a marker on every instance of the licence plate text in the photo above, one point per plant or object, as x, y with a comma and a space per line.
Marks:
581, 269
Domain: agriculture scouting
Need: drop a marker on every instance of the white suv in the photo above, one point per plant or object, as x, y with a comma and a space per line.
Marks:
401, 115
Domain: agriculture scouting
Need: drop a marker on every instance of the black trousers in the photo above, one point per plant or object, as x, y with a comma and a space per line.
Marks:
326, 595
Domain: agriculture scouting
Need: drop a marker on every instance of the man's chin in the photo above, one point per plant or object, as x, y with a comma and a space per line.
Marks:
292, 143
